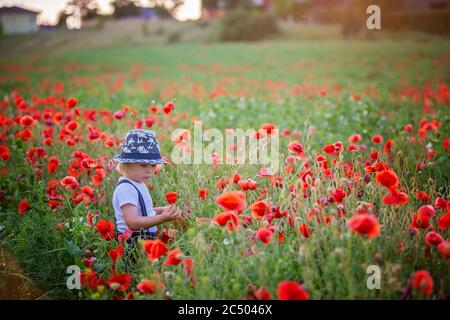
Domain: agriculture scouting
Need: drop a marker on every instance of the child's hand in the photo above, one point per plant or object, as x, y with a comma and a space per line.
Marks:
171, 213
160, 210
185, 215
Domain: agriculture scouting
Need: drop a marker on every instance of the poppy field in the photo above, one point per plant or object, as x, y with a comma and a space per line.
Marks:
362, 190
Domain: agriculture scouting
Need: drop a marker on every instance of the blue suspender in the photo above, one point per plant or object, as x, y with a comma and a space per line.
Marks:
141, 199
142, 233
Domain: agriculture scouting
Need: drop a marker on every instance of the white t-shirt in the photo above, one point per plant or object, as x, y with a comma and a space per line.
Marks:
126, 193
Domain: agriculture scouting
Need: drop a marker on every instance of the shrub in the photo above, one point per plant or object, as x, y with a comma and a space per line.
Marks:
145, 30
432, 21
240, 25
174, 37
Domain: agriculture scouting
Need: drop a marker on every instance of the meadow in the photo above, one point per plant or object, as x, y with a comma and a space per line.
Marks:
364, 178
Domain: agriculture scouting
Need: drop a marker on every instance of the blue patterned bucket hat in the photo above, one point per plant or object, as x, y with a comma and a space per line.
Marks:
140, 146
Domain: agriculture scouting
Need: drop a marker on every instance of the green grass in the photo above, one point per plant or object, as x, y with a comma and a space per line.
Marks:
332, 262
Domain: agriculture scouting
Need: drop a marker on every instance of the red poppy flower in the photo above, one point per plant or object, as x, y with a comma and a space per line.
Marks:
147, 287
388, 146
304, 230
248, 184
69, 182
378, 166
89, 279
396, 198
24, 206
173, 258
352, 148
330, 149
426, 210
155, 249
188, 266
366, 208
171, 197
119, 114
34, 154
71, 103
444, 221
265, 235
106, 229
296, 147
149, 121
228, 219
203, 193
247, 220
433, 238
262, 294
420, 221
354, 138
268, 127
52, 164
444, 249
259, 209
387, 178
120, 282
168, 235
446, 144
54, 204
125, 235
72, 126
87, 190
116, 253
422, 280
233, 200
4, 153
25, 135
440, 203
338, 195
236, 178
374, 154
27, 121
98, 177
153, 109
408, 128
364, 224
290, 290
377, 139
423, 196
221, 183
168, 108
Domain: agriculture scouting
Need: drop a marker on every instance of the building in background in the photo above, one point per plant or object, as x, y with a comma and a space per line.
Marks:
15, 20
148, 14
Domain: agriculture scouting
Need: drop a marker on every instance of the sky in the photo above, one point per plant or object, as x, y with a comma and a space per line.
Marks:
50, 9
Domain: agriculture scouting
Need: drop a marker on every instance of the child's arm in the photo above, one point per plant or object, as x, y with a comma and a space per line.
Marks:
136, 222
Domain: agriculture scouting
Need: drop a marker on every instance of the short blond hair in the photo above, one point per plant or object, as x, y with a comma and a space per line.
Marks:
124, 168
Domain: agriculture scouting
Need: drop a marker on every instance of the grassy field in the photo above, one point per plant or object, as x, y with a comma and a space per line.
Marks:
322, 91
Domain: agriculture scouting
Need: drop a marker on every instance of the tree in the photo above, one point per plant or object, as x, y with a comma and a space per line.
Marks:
210, 4
355, 19
125, 8
283, 8
165, 9
82, 9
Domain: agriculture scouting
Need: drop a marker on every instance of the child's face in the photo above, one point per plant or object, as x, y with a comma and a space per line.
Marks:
142, 172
